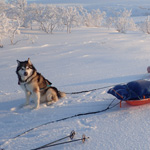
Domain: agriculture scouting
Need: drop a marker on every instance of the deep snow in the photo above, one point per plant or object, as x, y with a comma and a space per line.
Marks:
85, 59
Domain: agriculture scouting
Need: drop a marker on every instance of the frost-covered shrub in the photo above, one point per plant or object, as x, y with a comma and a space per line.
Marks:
46, 17
109, 22
17, 10
123, 22
4, 25
13, 30
95, 18
50, 18
145, 27
71, 18
8, 28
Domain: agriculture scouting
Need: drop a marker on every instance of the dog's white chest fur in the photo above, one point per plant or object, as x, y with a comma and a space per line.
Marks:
27, 87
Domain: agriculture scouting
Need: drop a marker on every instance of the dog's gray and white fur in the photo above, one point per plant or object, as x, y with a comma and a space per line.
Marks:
35, 85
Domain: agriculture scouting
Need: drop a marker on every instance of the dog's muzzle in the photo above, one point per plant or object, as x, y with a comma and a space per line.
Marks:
25, 74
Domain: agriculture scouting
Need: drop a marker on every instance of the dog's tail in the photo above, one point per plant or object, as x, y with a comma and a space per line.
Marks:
61, 94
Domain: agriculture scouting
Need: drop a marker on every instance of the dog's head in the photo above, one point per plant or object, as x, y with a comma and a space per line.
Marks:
24, 70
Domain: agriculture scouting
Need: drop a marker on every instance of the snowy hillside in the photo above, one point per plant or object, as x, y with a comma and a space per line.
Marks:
86, 59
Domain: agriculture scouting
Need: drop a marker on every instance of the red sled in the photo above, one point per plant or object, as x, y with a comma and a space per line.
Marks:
137, 102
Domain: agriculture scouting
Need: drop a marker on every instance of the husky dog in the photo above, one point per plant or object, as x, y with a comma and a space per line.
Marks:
35, 85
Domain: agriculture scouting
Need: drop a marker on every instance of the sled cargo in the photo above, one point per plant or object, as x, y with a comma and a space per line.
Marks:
134, 93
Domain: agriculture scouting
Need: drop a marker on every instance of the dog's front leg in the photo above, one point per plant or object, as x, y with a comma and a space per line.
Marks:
28, 94
36, 95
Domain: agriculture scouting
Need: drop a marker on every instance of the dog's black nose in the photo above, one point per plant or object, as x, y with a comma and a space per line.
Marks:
25, 74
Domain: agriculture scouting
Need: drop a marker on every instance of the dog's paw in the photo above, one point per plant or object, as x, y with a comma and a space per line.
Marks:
49, 103
36, 107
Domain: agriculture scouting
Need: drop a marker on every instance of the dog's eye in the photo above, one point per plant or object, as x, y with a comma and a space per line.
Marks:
30, 67
27, 68
22, 68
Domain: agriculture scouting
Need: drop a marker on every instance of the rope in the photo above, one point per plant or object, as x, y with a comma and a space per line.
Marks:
118, 93
66, 118
100, 88
92, 89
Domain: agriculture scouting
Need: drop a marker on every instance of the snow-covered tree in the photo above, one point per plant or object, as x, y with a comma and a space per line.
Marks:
71, 18
51, 19
94, 18
29, 17
13, 30
40, 14
83, 15
145, 27
88, 20
123, 22
4, 25
109, 22
8, 28
17, 10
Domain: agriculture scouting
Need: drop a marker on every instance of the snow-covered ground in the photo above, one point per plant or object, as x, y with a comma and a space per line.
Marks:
85, 59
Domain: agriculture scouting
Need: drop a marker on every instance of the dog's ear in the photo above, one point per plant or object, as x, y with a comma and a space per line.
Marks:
29, 61
18, 62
